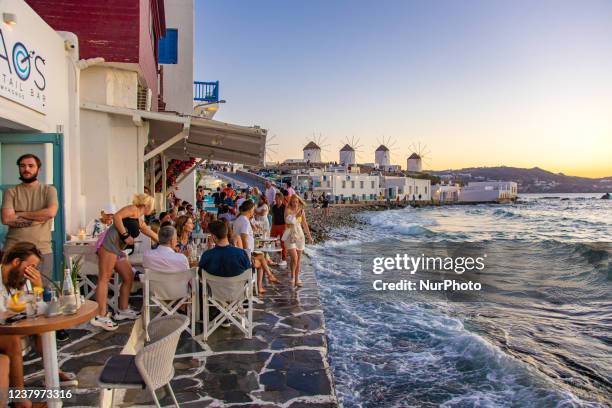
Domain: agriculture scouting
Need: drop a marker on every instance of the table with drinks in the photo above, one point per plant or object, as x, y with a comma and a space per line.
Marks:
42, 312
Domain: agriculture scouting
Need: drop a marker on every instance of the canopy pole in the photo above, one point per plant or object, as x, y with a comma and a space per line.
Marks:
152, 176
173, 140
164, 178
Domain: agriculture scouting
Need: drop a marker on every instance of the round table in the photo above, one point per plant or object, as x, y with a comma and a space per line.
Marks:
46, 327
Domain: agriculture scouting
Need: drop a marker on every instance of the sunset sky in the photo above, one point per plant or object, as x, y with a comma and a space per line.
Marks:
481, 83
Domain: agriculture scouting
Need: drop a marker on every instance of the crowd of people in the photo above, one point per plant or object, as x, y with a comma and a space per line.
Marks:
239, 216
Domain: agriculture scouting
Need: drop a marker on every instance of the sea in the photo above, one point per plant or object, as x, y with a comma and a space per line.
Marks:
538, 335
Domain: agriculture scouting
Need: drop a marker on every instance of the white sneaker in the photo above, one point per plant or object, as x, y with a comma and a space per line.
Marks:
104, 322
127, 314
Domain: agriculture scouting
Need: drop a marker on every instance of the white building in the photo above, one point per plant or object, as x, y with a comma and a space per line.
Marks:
445, 193
489, 191
178, 78
408, 188
382, 156
312, 153
92, 122
415, 163
343, 185
39, 110
347, 155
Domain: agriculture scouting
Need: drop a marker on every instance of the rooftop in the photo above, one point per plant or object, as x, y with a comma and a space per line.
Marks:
312, 146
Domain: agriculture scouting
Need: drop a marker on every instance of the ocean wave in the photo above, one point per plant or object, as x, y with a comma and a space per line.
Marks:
403, 222
505, 213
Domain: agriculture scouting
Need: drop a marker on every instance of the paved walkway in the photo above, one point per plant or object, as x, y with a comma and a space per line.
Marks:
284, 364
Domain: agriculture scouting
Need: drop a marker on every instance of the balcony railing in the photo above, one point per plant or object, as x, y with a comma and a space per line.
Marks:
206, 91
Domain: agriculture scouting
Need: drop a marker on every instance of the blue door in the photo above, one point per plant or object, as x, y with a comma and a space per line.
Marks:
49, 148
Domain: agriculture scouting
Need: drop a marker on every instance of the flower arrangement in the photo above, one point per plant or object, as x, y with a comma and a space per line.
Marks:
174, 170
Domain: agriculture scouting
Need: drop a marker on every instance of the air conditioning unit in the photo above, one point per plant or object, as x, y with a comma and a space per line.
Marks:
144, 98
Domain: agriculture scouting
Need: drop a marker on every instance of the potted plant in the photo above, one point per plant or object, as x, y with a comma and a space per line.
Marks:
75, 267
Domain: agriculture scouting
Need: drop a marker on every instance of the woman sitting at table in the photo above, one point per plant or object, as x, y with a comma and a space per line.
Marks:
19, 265
128, 224
244, 229
184, 229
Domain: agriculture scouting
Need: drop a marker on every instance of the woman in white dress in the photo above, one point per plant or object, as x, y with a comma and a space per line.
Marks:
294, 239
261, 214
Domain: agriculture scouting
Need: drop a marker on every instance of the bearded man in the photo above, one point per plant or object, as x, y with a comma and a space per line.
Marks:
28, 210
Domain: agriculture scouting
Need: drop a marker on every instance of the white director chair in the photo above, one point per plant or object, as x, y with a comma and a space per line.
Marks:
169, 291
228, 295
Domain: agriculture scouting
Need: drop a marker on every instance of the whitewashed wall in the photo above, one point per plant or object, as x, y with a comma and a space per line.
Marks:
178, 78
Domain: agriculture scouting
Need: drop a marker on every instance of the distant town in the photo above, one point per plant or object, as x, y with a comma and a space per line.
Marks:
347, 180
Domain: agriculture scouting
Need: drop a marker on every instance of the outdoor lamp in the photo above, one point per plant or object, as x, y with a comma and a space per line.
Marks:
9, 18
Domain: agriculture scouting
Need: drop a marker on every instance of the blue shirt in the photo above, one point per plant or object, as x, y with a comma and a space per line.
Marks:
225, 261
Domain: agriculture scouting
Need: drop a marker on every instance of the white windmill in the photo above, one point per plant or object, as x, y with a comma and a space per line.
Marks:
419, 155
314, 147
382, 154
348, 153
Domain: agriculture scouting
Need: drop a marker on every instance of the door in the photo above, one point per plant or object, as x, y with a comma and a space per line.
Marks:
49, 148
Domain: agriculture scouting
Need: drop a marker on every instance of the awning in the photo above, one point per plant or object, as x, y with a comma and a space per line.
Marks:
213, 140
181, 137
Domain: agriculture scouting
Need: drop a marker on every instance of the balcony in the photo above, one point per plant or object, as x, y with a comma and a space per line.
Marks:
206, 91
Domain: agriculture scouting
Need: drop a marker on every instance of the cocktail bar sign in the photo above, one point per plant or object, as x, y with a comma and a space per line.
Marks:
22, 69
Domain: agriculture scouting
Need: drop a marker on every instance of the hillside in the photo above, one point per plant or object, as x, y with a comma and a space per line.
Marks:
534, 180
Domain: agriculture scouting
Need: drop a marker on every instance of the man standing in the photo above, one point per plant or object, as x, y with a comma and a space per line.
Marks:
229, 191
28, 210
217, 197
290, 190
278, 222
270, 192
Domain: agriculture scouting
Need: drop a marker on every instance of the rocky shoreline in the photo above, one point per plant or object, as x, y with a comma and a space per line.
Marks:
341, 215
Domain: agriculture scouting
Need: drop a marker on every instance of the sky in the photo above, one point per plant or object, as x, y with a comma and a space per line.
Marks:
478, 83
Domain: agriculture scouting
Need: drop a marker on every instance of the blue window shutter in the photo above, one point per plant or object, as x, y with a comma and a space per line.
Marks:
168, 47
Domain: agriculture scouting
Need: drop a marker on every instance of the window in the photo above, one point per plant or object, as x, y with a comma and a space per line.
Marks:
425, 189
343, 184
168, 47
361, 183
353, 184
416, 190
372, 184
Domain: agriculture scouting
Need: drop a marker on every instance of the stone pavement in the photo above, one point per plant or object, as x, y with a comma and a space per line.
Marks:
284, 364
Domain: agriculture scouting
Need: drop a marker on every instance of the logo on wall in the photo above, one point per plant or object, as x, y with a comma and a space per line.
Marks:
21, 61
22, 73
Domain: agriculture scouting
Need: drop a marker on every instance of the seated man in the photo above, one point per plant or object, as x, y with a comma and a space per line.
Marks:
164, 258
224, 259
19, 265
